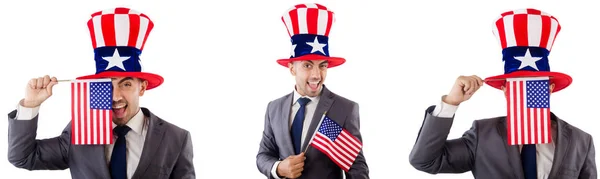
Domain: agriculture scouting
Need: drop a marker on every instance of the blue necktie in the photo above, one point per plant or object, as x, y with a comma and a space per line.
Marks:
297, 124
528, 160
118, 162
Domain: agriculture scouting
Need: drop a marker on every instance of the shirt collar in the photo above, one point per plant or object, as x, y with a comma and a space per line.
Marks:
136, 123
313, 100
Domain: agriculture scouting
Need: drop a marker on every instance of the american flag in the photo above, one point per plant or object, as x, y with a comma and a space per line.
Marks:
337, 143
91, 112
528, 108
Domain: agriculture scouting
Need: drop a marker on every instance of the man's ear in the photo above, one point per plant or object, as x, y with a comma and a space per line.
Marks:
291, 67
143, 86
551, 87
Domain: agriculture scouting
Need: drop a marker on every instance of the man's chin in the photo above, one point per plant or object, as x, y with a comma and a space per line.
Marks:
118, 121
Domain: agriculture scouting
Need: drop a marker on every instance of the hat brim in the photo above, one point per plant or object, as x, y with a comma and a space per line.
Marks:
560, 80
154, 80
333, 61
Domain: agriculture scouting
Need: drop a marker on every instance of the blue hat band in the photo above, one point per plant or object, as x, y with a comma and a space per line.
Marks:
120, 59
304, 44
525, 59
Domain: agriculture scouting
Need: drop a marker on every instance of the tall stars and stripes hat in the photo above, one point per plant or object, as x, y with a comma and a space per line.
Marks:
118, 38
308, 26
527, 37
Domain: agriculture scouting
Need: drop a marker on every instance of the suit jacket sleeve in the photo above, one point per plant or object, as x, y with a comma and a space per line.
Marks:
184, 167
268, 152
358, 170
433, 153
588, 171
25, 151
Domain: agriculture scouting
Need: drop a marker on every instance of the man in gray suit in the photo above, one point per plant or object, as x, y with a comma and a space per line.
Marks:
291, 120
485, 149
145, 146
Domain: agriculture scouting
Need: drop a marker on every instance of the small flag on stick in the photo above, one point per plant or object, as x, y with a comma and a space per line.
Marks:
91, 112
528, 108
336, 142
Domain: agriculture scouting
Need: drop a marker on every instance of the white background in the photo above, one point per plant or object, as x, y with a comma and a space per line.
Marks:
218, 60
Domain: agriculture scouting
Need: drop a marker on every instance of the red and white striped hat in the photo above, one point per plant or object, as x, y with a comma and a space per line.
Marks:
526, 37
308, 26
118, 38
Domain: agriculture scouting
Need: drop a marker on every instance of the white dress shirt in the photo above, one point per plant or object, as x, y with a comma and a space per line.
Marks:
308, 115
544, 152
135, 137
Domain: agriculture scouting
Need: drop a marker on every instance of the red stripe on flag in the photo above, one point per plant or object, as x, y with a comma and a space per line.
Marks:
86, 123
521, 109
549, 134
330, 151
98, 131
73, 113
530, 129
106, 139
543, 130
109, 130
508, 116
108, 29
535, 125
520, 29
311, 20
515, 115
343, 151
80, 134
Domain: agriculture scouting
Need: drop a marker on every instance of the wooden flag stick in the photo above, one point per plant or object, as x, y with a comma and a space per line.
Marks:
316, 130
63, 80
502, 79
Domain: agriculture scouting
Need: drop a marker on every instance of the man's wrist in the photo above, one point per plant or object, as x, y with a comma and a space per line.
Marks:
28, 104
450, 102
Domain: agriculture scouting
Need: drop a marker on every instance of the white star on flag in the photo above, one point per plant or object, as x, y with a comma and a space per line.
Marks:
316, 46
528, 60
115, 60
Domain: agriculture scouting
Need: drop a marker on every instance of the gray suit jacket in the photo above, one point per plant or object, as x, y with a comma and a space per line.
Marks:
167, 152
276, 143
485, 152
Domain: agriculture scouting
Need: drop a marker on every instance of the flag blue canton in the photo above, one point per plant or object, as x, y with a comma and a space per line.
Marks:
330, 128
538, 94
101, 95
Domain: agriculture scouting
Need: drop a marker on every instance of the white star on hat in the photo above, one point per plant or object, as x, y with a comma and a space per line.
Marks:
528, 60
316, 46
115, 60
293, 53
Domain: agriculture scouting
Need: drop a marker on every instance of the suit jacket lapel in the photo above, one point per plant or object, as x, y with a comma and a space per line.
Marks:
324, 105
561, 145
286, 109
154, 137
514, 157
